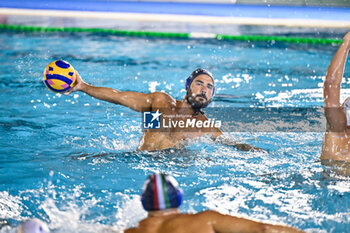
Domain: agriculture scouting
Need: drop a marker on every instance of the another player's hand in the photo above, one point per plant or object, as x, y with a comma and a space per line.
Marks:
247, 147
78, 85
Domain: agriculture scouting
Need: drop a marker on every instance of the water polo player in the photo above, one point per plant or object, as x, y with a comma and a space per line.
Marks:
161, 198
200, 90
337, 137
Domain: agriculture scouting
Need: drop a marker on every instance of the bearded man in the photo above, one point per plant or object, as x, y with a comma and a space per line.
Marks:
183, 120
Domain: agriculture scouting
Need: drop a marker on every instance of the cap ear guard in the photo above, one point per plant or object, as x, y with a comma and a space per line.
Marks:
147, 192
146, 205
176, 198
188, 83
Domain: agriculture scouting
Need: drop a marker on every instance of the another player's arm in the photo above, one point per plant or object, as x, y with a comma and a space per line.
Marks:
219, 137
229, 224
239, 146
336, 120
134, 100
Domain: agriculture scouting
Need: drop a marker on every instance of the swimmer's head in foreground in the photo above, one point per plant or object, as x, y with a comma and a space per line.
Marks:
161, 192
33, 226
162, 196
200, 89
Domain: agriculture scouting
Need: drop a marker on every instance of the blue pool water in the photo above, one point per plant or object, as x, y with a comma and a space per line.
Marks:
72, 160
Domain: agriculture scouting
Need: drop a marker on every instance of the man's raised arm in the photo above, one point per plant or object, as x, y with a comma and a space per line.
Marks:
137, 101
336, 120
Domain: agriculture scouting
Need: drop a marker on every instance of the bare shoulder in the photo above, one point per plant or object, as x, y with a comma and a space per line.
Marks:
161, 96
209, 213
148, 225
161, 100
216, 216
226, 223
131, 230
186, 223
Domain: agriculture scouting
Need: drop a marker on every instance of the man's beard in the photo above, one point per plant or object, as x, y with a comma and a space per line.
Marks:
196, 105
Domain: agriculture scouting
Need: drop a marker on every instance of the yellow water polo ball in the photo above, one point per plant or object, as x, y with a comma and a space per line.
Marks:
59, 76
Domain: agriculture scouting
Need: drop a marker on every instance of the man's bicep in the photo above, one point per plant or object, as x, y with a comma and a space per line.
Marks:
336, 119
139, 102
142, 102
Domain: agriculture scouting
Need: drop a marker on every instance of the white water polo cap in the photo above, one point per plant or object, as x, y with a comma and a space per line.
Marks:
33, 226
346, 110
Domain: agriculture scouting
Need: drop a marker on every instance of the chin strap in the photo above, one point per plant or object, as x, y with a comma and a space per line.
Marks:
197, 111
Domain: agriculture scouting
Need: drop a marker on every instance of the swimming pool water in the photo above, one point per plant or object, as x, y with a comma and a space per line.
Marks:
72, 160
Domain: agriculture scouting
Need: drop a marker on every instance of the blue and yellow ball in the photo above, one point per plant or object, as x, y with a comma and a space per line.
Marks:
59, 76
